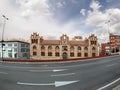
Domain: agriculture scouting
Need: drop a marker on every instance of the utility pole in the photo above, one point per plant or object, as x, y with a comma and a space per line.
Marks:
5, 18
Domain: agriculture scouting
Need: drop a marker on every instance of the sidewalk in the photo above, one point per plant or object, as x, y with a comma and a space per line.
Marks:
117, 87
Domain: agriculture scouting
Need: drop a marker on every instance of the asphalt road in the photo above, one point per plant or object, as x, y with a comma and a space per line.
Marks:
80, 75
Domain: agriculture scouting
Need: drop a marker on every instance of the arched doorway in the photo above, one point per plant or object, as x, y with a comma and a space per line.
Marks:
64, 55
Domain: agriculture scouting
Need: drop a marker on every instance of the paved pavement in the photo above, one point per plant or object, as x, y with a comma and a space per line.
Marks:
80, 75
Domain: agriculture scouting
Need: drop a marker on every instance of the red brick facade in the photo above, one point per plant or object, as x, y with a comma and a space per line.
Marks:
114, 43
105, 49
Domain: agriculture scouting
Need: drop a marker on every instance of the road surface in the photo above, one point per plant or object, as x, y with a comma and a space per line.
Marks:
79, 75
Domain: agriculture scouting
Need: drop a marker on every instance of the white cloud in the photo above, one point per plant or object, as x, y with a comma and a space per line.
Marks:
59, 5
114, 15
33, 16
82, 11
95, 5
98, 18
33, 7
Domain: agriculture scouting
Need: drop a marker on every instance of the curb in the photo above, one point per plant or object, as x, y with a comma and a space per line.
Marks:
53, 61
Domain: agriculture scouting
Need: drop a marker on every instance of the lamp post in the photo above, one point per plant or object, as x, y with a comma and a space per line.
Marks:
108, 23
5, 18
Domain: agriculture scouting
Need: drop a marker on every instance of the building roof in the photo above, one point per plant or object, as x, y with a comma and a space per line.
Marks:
83, 43
50, 42
57, 42
16, 41
77, 40
114, 35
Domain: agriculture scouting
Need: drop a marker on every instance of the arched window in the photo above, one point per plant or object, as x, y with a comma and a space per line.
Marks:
34, 41
72, 48
85, 48
49, 47
57, 48
34, 47
42, 48
93, 48
79, 48
64, 48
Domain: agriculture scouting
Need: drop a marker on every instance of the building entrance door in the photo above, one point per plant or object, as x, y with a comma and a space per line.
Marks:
64, 55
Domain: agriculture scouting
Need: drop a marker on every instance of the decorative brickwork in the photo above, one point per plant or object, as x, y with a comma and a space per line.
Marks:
63, 48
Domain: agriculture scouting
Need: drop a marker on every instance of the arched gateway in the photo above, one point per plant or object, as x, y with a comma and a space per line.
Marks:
64, 55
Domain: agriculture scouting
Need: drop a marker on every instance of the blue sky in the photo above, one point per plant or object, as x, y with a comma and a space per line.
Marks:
65, 10
52, 18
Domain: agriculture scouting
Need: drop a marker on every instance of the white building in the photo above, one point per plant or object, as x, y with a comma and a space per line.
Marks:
15, 49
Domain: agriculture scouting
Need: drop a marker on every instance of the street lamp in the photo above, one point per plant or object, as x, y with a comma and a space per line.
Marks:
108, 23
5, 18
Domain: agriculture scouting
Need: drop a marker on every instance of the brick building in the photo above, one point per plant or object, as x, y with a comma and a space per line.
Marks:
114, 43
63, 48
105, 49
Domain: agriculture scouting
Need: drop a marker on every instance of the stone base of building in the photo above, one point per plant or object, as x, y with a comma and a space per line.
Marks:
58, 58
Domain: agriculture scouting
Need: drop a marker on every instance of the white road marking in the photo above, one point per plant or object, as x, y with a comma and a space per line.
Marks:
54, 70
47, 67
110, 65
40, 70
35, 84
68, 74
109, 84
63, 83
3, 73
56, 83
59, 70
17, 67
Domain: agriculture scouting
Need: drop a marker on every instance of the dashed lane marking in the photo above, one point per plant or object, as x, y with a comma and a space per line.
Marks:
3, 73
58, 75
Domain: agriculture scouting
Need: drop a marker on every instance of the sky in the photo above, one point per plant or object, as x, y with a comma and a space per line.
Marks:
52, 18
